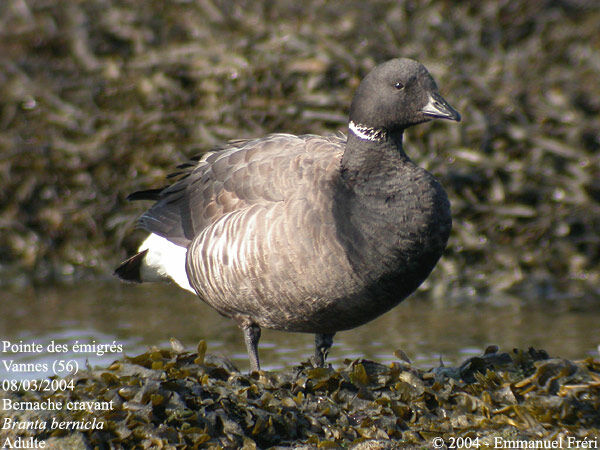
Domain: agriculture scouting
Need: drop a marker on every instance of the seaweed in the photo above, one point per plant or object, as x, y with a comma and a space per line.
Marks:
171, 398
99, 99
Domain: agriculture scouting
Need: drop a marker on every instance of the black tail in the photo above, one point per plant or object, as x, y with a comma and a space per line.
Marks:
149, 194
130, 269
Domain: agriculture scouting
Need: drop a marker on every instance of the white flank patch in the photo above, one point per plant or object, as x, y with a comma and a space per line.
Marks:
163, 261
364, 132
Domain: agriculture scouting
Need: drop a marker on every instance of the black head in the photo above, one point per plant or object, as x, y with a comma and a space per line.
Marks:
397, 94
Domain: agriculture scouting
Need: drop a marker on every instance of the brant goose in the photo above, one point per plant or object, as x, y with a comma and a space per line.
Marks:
306, 233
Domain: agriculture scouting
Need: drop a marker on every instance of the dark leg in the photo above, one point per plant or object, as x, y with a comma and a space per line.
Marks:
252, 336
323, 343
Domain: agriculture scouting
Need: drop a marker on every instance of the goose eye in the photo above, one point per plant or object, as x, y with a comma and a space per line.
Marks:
399, 85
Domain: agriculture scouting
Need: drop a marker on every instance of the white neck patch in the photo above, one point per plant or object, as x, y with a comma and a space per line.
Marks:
368, 133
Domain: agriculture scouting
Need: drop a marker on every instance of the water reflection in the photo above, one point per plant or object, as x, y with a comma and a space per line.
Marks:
148, 315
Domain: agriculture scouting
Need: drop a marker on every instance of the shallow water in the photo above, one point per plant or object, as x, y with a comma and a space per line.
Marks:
138, 317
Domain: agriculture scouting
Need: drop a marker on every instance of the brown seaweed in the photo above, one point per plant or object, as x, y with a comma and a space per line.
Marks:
101, 98
176, 399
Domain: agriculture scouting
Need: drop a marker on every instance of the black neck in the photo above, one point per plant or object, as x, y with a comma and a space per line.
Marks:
366, 159
384, 201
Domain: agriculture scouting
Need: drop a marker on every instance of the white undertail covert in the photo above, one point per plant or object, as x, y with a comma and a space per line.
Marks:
164, 260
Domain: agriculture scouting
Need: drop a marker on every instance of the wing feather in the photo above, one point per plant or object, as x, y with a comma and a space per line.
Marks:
239, 175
